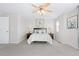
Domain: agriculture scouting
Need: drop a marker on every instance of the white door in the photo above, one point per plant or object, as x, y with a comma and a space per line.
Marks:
4, 30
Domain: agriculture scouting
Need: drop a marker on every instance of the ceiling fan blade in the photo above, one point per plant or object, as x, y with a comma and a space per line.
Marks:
34, 6
46, 5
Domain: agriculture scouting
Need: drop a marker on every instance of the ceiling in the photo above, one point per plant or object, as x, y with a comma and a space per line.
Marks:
25, 9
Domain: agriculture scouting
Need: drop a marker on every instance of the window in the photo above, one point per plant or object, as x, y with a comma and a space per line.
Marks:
57, 26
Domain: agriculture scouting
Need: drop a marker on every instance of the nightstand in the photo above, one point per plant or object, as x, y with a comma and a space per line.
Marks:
28, 35
52, 35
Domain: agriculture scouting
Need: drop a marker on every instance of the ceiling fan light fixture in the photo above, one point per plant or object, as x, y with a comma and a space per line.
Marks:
41, 9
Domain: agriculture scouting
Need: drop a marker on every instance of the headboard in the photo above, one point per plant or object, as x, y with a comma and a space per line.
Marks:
40, 30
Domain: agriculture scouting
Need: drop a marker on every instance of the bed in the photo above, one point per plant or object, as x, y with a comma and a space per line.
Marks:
39, 34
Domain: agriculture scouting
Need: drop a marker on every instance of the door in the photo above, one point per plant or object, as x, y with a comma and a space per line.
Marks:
4, 30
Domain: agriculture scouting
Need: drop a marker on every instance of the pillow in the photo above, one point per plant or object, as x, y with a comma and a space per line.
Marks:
41, 31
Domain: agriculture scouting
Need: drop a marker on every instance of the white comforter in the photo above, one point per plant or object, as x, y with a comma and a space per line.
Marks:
39, 37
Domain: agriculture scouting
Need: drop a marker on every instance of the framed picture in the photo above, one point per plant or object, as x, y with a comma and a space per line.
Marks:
39, 22
72, 22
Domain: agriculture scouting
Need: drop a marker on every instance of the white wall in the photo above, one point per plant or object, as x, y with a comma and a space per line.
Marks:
67, 36
13, 28
21, 29
17, 29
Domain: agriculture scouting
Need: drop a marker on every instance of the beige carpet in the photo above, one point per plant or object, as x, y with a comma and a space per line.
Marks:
38, 49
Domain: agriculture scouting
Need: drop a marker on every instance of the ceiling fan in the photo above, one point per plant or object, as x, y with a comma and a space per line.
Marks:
41, 9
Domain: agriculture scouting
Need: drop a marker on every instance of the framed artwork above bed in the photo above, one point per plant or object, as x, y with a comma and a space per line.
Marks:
39, 22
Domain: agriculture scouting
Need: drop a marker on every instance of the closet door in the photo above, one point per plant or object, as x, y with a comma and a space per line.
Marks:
4, 30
